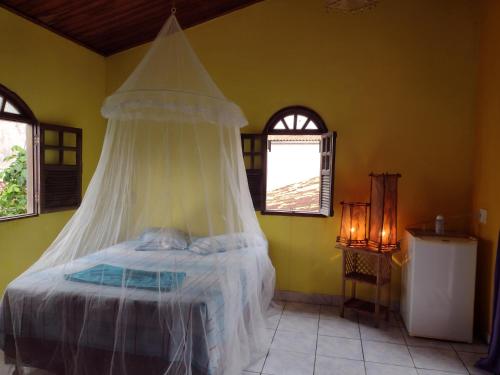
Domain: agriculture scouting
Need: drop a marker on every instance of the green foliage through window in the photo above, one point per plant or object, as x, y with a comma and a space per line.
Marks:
13, 197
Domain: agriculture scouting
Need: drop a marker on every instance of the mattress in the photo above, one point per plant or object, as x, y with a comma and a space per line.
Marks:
154, 324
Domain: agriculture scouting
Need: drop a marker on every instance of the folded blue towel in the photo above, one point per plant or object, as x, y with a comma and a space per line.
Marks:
105, 274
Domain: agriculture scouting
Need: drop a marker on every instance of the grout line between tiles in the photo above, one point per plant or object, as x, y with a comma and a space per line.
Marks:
317, 339
269, 349
362, 348
460, 359
401, 329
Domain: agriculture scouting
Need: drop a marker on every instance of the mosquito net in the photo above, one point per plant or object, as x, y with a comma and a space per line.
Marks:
163, 269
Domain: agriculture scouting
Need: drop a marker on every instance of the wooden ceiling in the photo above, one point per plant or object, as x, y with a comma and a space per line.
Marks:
110, 26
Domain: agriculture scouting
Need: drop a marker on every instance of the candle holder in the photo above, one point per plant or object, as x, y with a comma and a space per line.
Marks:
383, 230
353, 229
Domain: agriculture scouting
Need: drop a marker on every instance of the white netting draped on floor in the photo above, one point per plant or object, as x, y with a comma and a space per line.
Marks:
163, 269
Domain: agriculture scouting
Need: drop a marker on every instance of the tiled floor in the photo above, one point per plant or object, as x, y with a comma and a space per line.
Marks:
313, 340
307, 339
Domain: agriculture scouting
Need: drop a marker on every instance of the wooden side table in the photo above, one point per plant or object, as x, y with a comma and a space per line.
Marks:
366, 266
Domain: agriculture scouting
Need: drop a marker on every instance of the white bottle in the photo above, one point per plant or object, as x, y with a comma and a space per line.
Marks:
440, 224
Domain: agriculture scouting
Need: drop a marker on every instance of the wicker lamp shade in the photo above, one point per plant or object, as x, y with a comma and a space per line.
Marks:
382, 233
354, 223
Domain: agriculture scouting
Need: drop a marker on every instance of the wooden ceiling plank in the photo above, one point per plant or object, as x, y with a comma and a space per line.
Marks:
183, 21
106, 18
120, 21
107, 27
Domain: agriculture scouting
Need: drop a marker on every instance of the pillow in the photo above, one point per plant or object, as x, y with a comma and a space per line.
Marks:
223, 243
163, 239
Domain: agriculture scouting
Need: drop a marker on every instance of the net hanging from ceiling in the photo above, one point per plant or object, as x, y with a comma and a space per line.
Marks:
163, 269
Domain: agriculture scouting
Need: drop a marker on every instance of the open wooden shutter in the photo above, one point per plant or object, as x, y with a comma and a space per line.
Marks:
60, 159
253, 154
327, 170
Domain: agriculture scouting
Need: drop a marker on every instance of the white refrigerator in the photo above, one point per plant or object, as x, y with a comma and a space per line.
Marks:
438, 284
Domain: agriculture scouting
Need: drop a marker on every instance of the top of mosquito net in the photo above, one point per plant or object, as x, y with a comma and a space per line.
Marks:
170, 83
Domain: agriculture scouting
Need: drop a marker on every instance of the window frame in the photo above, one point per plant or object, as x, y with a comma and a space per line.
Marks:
25, 116
45, 174
270, 129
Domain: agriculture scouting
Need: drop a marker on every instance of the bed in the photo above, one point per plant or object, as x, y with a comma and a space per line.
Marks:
84, 328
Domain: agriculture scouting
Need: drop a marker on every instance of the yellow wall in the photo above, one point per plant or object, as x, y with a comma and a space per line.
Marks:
397, 83
63, 84
487, 167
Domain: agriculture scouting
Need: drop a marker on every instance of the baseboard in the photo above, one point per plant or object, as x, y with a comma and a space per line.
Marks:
318, 299
315, 298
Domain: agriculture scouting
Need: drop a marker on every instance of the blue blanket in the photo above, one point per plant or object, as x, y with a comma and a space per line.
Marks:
105, 274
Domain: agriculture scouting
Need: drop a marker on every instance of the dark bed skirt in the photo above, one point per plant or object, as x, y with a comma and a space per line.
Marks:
62, 360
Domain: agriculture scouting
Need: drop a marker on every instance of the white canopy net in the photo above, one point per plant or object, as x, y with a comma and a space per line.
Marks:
163, 269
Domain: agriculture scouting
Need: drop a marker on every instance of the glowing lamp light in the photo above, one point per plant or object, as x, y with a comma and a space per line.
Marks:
383, 230
353, 228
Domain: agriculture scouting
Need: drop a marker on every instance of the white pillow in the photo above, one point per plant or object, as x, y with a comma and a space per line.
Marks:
163, 239
224, 242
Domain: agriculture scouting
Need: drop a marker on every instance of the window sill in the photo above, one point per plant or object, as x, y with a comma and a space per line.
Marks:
16, 217
292, 213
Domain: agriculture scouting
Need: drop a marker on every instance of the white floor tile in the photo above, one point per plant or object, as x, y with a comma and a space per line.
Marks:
383, 352
295, 342
302, 309
281, 362
298, 324
434, 372
390, 334
278, 304
425, 343
4, 369
339, 327
437, 359
272, 321
269, 337
256, 366
338, 366
327, 311
470, 360
273, 315
383, 369
339, 347
333, 312
370, 321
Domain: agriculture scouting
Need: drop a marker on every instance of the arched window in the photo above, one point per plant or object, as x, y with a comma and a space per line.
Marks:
295, 120
17, 157
290, 165
40, 164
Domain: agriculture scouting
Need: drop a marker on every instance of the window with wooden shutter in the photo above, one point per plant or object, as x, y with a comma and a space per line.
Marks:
327, 151
253, 153
290, 166
18, 157
60, 150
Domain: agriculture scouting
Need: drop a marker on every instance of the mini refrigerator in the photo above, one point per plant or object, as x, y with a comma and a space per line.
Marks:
438, 284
